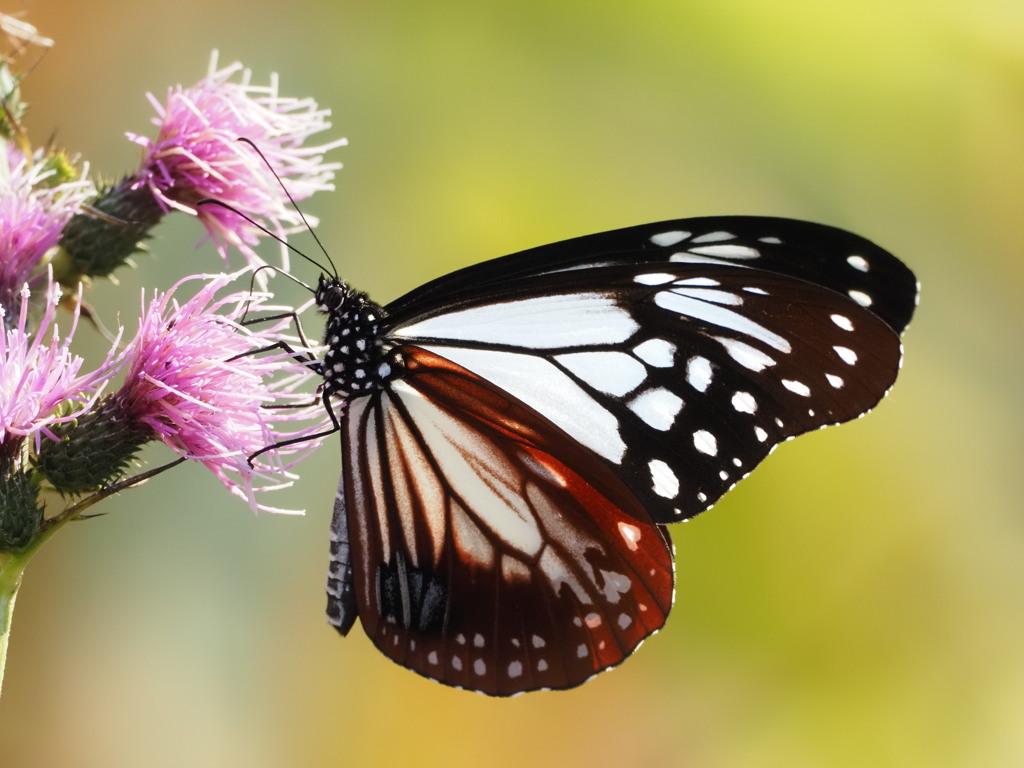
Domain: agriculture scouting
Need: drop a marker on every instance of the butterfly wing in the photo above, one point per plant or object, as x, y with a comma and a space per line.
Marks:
489, 550
538, 416
681, 377
817, 253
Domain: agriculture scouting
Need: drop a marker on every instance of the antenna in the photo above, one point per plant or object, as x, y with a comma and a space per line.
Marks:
295, 205
275, 236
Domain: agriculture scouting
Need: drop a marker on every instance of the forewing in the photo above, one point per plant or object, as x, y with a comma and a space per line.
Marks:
680, 376
823, 255
490, 551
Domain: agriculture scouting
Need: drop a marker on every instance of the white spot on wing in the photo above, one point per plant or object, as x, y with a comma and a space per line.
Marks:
657, 407
705, 293
705, 442
666, 484
615, 585
857, 262
683, 257
835, 381
744, 354
744, 402
727, 251
797, 387
630, 534
654, 278
860, 297
698, 282
842, 321
699, 373
614, 373
665, 239
656, 352
560, 573
714, 237
846, 354
761, 434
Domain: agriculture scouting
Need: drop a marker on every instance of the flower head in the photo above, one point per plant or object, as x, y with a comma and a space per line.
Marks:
41, 384
35, 206
195, 381
197, 155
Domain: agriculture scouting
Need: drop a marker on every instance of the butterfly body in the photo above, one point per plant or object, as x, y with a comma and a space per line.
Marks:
515, 435
353, 362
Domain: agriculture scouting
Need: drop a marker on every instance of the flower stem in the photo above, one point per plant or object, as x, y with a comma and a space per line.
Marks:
12, 565
13, 562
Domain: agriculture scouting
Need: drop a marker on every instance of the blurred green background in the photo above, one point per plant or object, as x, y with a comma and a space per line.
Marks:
858, 601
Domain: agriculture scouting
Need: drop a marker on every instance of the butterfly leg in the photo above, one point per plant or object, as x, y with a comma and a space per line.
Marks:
307, 358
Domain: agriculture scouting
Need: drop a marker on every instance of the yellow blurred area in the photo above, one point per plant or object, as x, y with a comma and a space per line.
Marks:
859, 601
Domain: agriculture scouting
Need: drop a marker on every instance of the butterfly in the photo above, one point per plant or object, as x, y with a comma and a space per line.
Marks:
517, 434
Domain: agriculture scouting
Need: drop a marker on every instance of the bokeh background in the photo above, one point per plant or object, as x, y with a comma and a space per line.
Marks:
858, 601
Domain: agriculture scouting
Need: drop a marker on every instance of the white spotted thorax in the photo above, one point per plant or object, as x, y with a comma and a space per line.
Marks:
354, 361
516, 435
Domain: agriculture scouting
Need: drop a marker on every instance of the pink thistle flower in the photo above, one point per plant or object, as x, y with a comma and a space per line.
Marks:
195, 382
197, 155
33, 213
41, 384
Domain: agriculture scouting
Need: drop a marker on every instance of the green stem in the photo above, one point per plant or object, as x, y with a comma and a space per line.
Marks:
12, 565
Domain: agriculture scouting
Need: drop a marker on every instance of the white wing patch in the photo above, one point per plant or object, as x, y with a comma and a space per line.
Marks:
666, 482
727, 251
413, 477
474, 471
549, 391
614, 373
699, 373
704, 304
544, 322
714, 237
749, 357
657, 408
665, 239
657, 353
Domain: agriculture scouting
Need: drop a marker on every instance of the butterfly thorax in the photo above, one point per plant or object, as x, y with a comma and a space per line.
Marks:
354, 362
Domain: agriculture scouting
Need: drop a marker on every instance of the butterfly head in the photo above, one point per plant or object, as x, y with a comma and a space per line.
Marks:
354, 362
